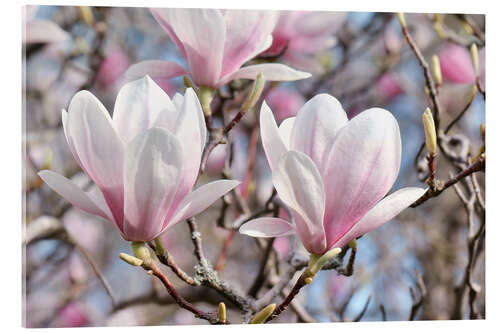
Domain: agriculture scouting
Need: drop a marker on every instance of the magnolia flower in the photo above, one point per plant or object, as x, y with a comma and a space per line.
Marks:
144, 161
301, 35
215, 44
456, 64
41, 31
333, 173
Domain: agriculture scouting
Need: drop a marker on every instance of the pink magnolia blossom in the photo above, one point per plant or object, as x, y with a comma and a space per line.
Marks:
456, 64
333, 173
284, 102
215, 44
301, 35
145, 160
40, 31
112, 68
388, 86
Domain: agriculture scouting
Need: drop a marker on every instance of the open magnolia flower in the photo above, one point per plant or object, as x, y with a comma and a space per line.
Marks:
333, 173
215, 44
144, 161
301, 35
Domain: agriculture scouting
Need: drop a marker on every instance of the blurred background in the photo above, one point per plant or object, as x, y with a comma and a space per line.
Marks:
417, 261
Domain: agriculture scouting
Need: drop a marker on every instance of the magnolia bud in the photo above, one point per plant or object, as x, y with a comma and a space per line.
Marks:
317, 262
131, 260
86, 14
430, 131
206, 94
263, 314
222, 313
482, 130
436, 70
401, 18
159, 247
475, 58
255, 92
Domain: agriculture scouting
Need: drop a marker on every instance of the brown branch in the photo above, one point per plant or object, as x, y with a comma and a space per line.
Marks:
479, 165
153, 269
429, 81
168, 260
417, 300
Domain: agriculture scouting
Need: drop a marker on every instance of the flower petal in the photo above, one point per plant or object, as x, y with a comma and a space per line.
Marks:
316, 126
137, 107
44, 31
157, 69
272, 72
71, 192
285, 130
267, 227
246, 31
200, 199
299, 185
97, 147
153, 161
272, 142
202, 34
189, 128
360, 169
383, 212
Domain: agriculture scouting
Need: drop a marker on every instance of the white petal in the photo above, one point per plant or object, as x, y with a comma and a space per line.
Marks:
97, 146
201, 198
267, 227
272, 72
44, 31
157, 69
137, 107
361, 168
272, 142
71, 192
383, 212
299, 185
316, 126
285, 130
153, 161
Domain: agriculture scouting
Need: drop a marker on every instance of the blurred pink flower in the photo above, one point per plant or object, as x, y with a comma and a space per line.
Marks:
145, 160
456, 64
301, 35
40, 31
112, 68
333, 173
284, 102
388, 86
215, 44
72, 315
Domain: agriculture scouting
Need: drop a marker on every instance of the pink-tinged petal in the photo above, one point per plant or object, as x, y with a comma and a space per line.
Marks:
190, 130
383, 212
246, 31
361, 168
71, 192
157, 69
285, 131
153, 161
299, 185
272, 142
97, 147
44, 31
456, 64
200, 199
316, 126
272, 72
202, 33
267, 227
137, 107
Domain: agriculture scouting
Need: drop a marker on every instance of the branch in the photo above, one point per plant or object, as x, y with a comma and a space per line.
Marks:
479, 165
